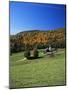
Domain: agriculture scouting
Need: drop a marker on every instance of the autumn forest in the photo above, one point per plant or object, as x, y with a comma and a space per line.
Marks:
37, 38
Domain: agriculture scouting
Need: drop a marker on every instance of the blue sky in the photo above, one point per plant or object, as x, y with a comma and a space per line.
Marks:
35, 16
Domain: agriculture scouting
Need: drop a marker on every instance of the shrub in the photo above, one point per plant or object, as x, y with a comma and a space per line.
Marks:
27, 54
35, 53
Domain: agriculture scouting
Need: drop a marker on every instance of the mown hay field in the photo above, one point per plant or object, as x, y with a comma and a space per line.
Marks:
44, 71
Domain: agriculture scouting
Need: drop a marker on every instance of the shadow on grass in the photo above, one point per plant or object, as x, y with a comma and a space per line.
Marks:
28, 61
34, 58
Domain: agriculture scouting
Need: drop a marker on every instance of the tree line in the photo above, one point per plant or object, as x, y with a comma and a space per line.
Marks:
37, 39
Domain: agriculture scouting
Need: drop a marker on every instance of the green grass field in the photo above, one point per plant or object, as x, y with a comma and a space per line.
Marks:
44, 71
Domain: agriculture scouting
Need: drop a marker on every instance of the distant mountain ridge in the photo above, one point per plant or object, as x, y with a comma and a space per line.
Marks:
27, 31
